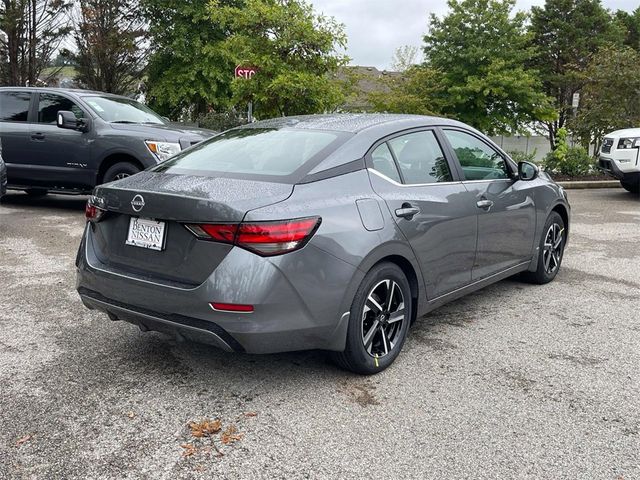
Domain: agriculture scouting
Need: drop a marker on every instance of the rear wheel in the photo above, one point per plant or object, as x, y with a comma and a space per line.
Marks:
119, 171
378, 322
633, 187
551, 250
36, 192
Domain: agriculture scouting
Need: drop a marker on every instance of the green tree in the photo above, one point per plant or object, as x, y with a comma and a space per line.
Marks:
419, 90
111, 48
31, 31
480, 48
630, 25
294, 50
610, 96
566, 33
187, 71
404, 58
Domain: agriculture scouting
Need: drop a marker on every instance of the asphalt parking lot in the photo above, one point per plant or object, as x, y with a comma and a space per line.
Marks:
515, 381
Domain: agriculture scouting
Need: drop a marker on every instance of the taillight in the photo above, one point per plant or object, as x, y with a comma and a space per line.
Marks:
94, 210
231, 307
263, 238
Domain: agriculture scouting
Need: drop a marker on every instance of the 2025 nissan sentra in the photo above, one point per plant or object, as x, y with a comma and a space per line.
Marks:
329, 232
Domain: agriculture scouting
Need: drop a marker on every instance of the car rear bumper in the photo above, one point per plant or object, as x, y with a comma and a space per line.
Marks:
293, 310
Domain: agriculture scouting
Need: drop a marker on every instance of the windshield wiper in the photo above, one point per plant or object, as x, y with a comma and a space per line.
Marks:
123, 121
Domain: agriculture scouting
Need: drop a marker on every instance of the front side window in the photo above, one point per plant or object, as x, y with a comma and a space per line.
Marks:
383, 162
50, 104
478, 160
14, 106
420, 158
122, 110
253, 151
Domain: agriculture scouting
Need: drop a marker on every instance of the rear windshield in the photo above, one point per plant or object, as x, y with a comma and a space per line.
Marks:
256, 153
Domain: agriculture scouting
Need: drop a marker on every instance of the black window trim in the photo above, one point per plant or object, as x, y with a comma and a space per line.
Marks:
510, 163
456, 176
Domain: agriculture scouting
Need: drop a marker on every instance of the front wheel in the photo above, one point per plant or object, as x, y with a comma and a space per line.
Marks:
551, 250
119, 171
378, 322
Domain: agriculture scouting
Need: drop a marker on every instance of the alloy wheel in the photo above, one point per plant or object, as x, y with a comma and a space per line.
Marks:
553, 248
120, 176
383, 316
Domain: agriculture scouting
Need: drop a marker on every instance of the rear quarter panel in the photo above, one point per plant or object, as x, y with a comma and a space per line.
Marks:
342, 235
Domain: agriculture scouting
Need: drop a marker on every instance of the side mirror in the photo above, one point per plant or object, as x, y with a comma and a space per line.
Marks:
527, 171
68, 120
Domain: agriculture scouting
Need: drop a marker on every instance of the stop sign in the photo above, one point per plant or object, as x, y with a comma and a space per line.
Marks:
245, 72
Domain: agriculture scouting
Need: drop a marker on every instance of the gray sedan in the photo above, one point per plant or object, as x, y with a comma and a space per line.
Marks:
329, 232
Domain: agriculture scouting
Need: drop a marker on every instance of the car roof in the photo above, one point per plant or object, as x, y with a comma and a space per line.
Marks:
79, 92
352, 122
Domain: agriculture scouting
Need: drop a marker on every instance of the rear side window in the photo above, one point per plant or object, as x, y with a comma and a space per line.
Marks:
383, 162
14, 106
420, 158
254, 152
478, 160
50, 104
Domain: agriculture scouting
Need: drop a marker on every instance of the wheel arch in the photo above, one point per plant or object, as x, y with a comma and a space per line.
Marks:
114, 158
401, 255
412, 276
562, 210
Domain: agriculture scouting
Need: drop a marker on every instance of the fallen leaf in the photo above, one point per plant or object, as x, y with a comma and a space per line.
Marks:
205, 428
230, 435
250, 414
131, 414
189, 449
24, 439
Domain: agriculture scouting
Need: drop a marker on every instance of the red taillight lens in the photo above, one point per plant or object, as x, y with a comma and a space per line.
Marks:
220, 232
274, 238
92, 212
232, 307
263, 238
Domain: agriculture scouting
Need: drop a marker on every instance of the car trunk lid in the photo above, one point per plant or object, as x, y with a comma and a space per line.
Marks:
174, 200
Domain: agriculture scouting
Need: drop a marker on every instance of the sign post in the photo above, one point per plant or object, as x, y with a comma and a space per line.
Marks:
246, 73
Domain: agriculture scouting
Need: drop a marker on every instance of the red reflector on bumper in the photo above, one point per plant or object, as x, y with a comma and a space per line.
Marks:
231, 307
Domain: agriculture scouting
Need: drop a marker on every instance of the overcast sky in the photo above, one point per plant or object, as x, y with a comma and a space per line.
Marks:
375, 28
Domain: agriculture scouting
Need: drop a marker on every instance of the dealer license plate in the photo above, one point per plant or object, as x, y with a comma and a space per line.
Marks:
146, 233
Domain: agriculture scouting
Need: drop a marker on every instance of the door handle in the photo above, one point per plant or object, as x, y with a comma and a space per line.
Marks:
37, 136
407, 211
484, 204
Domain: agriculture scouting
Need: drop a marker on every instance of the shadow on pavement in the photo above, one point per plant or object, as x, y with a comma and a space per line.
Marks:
56, 202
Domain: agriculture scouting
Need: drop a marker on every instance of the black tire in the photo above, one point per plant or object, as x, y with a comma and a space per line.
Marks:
390, 334
36, 192
120, 170
633, 187
543, 273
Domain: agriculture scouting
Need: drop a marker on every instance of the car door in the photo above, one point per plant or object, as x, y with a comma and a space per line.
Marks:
15, 106
505, 207
59, 157
432, 208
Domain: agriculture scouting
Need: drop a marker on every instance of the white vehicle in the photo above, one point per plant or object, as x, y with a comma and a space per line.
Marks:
620, 157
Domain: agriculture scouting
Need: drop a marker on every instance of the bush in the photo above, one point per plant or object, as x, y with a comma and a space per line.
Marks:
221, 121
520, 156
566, 160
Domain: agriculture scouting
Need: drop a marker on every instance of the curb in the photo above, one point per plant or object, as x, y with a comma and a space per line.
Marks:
590, 184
